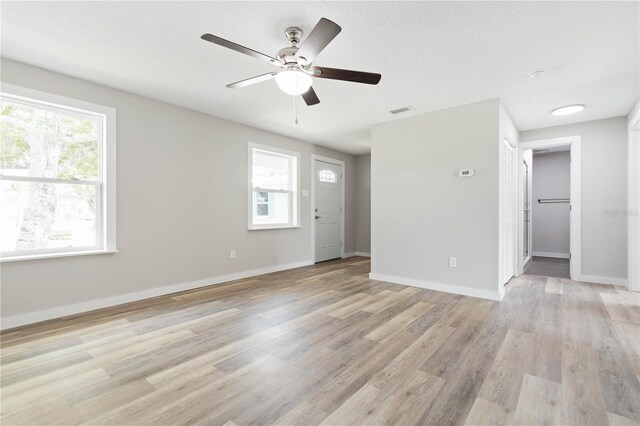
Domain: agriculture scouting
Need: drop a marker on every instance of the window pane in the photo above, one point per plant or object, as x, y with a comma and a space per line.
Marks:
271, 171
38, 215
42, 142
262, 197
262, 209
270, 208
327, 176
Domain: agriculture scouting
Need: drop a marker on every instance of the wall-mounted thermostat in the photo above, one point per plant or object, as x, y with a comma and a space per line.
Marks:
466, 173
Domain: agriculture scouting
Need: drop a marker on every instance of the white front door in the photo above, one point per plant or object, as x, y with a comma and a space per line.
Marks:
328, 214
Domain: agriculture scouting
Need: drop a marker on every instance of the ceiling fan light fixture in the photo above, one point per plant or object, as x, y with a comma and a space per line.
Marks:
293, 82
295, 76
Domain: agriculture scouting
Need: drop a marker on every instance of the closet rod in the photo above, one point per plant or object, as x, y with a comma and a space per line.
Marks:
553, 200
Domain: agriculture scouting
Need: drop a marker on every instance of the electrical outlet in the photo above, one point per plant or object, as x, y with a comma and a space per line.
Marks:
453, 262
232, 254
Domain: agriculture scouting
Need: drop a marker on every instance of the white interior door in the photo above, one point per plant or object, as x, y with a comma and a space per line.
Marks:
328, 210
508, 212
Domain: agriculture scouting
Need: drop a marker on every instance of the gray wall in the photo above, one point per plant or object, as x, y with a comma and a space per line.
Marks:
363, 203
551, 173
422, 212
181, 203
604, 192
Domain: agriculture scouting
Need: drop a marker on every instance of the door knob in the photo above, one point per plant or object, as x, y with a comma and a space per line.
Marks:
317, 217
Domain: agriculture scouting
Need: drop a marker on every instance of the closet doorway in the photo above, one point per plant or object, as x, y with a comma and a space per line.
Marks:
549, 222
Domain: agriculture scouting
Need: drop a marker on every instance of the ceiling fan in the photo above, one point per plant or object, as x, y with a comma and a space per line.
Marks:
296, 75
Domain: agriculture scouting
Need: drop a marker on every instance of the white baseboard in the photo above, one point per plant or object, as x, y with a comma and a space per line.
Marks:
447, 288
91, 305
600, 280
549, 254
357, 253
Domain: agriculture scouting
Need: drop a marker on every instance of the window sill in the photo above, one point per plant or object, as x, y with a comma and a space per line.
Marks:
267, 228
54, 255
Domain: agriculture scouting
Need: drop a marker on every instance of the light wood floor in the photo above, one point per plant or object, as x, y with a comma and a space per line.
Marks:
323, 344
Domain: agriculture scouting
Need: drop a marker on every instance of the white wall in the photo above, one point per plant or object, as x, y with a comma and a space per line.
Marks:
633, 152
363, 204
422, 212
551, 173
181, 201
604, 192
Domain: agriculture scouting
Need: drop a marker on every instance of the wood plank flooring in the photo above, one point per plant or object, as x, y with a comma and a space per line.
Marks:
325, 345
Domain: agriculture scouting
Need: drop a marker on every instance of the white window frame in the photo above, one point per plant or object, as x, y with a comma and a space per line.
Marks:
294, 204
105, 185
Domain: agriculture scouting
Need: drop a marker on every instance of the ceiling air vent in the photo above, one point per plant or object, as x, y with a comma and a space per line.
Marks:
401, 110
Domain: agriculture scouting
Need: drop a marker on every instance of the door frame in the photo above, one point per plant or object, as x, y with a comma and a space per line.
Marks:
520, 233
575, 195
341, 164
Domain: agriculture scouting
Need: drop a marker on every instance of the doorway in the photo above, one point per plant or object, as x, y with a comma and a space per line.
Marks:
550, 210
549, 222
327, 208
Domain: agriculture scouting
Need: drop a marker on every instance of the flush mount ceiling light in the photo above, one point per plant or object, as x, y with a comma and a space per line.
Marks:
568, 109
535, 75
293, 82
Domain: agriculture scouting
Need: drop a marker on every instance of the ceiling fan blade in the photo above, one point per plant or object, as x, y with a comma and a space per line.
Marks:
253, 80
239, 48
346, 75
310, 97
321, 35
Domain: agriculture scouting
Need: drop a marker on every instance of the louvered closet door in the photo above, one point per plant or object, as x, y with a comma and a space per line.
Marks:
508, 220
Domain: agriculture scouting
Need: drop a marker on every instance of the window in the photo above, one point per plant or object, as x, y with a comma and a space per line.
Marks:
327, 176
273, 188
57, 188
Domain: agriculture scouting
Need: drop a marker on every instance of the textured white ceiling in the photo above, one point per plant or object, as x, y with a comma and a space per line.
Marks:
431, 55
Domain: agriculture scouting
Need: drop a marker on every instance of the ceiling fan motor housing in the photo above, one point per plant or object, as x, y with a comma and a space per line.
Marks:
288, 54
